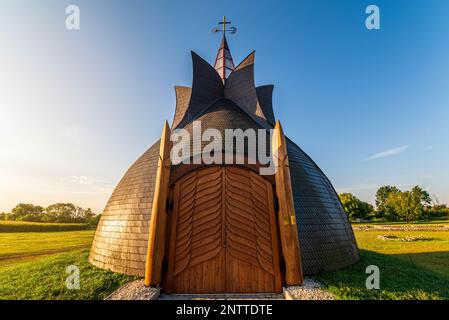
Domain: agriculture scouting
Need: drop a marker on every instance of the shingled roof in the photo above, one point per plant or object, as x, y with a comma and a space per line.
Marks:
325, 235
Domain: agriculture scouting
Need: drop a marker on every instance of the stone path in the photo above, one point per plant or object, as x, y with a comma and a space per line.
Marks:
136, 290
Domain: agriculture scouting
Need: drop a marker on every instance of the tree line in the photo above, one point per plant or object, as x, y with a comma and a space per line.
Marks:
393, 204
58, 212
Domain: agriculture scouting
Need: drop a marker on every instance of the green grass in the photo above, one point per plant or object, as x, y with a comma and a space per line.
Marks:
408, 270
33, 264
45, 278
17, 247
442, 221
22, 226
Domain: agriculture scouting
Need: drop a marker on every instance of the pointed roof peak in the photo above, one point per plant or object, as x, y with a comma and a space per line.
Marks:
224, 42
223, 62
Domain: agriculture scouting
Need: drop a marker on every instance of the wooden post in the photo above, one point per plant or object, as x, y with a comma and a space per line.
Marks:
286, 214
158, 223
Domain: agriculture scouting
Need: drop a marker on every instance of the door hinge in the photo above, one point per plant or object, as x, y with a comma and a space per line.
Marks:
289, 220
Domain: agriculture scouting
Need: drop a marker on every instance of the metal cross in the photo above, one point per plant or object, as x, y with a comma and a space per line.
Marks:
223, 28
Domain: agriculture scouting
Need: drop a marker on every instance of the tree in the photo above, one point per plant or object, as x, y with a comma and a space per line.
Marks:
422, 197
67, 212
366, 210
406, 205
61, 212
94, 220
383, 209
87, 215
437, 211
58, 212
26, 212
354, 207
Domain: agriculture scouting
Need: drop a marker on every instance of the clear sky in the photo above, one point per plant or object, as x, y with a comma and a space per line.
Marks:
78, 107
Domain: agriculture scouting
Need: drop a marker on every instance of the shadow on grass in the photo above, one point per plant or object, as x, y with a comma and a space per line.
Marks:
400, 277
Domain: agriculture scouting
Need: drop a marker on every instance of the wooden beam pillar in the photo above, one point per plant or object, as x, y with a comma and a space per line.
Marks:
158, 223
286, 213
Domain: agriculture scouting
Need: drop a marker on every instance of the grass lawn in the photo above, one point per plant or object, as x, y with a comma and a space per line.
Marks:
44, 278
20, 246
408, 270
33, 266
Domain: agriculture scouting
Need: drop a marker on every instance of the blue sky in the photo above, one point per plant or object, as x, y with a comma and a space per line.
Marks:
78, 107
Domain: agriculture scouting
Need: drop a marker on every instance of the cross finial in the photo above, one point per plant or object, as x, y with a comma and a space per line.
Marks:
224, 23
223, 29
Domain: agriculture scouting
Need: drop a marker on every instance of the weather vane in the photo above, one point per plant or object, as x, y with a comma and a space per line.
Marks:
223, 28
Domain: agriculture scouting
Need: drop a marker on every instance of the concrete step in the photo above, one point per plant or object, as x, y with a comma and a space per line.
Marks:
223, 296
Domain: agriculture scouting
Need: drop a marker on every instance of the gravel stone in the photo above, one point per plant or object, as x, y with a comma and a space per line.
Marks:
310, 290
135, 290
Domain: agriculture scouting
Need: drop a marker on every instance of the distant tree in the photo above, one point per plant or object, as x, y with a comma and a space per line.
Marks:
350, 204
26, 212
354, 207
66, 213
406, 205
94, 220
422, 197
87, 214
437, 211
60, 212
383, 209
366, 210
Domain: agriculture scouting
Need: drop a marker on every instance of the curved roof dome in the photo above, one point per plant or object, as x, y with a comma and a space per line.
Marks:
325, 235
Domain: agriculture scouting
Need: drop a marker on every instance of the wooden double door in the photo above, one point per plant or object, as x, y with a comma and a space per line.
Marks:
222, 233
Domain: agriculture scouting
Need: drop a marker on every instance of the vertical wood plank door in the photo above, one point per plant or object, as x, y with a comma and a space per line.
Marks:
223, 235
